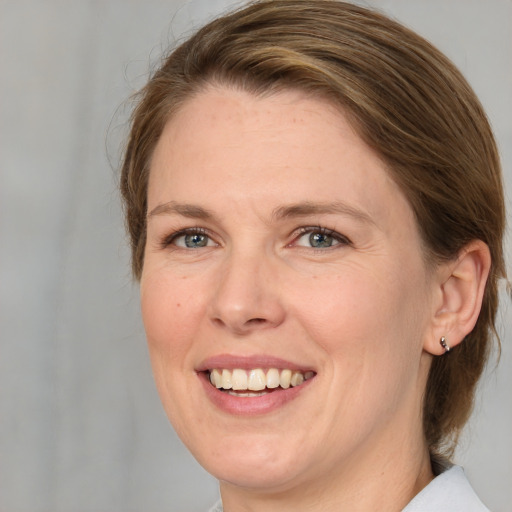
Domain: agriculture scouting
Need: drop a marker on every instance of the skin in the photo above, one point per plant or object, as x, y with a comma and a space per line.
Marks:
362, 313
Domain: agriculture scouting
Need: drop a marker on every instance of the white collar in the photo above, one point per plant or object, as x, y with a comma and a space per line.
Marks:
448, 492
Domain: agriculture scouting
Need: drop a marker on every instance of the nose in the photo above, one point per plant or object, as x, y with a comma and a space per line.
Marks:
247, 296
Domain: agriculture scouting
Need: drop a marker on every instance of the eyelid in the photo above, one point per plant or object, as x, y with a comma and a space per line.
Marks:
342, 239
168, 239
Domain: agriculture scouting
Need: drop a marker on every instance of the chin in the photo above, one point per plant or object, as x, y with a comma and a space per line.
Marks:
253, 474
252, 461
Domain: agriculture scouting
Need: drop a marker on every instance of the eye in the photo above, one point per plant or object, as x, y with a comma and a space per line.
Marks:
320, 238
190, 239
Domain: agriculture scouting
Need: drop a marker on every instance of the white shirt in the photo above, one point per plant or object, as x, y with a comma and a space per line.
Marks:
448, 492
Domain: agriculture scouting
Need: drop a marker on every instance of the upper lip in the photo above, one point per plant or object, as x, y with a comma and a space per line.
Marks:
230, 361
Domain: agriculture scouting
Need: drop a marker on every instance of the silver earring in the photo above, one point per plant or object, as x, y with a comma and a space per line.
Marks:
444, 344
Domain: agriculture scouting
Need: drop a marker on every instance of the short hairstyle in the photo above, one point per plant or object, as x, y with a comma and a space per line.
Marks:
404, 98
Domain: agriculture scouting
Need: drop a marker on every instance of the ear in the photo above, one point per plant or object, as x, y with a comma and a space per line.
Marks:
460, 286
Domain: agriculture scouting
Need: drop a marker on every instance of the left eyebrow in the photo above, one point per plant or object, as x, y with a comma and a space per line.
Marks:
311, 208
183, 209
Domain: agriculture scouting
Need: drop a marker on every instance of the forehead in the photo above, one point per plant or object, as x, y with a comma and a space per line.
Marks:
233, 145
224, 123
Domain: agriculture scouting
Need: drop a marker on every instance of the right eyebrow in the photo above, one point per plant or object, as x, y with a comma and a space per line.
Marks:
311, 208
183, 209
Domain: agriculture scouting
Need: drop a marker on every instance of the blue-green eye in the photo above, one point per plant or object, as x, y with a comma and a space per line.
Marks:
195, 240
320, 238
191, 239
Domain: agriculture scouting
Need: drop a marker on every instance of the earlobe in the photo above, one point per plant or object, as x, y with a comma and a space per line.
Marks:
461, 287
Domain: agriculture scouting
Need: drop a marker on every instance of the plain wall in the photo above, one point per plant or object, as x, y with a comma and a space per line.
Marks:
81, 426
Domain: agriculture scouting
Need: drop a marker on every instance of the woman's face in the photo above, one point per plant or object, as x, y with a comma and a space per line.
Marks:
278, 244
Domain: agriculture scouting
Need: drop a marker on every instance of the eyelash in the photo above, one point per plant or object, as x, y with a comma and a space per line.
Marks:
170, 239
308, 230
341, 239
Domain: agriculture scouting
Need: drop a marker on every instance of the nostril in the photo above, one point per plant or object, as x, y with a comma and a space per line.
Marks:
217, 321
256, 321
241, 327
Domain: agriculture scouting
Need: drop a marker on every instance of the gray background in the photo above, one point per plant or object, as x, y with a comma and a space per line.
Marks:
81, 426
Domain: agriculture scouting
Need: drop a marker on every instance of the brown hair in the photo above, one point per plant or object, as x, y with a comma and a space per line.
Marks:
406, 100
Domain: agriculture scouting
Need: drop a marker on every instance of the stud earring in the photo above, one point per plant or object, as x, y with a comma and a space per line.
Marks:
444, 344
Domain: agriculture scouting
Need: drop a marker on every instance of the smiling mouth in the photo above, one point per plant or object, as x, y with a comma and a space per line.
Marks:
256, 382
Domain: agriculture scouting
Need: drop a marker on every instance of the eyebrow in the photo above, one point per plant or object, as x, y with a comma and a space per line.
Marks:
281, 213
311, 208
185, 210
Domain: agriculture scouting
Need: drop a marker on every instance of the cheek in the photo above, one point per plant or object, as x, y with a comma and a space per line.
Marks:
361, 318
342, 309
172, 309
172, 315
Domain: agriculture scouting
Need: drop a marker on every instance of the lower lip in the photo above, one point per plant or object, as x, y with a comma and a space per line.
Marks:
253, 405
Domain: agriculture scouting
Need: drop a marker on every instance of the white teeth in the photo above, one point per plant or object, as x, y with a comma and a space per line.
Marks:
297, 379
284, 379
239, 379
226, 379
217, 378
256, 380
273, 378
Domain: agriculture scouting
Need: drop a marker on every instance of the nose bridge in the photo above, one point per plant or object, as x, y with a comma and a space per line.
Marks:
246, 295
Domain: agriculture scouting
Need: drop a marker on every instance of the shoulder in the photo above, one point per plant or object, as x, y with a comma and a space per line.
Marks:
448, 492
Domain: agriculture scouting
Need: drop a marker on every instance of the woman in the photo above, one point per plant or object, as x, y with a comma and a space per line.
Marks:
315, 206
